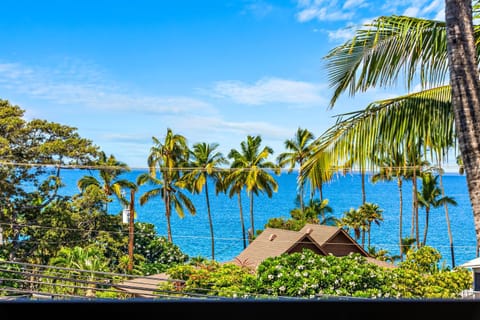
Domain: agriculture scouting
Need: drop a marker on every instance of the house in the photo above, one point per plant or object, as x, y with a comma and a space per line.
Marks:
321, 239
474, 265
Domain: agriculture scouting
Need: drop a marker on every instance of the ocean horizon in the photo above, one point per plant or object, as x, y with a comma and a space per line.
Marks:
192, 233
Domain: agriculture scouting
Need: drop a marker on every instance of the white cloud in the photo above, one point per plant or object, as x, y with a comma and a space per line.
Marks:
85, 86
354, 4
270, 90
411, 12
226, 128
351, 10
343, 34
440, 16
329, 11
433, 6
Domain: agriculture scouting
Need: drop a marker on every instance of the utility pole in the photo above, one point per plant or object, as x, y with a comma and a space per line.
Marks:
130, 230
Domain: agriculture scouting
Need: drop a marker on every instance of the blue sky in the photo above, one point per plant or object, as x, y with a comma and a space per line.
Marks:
214, 71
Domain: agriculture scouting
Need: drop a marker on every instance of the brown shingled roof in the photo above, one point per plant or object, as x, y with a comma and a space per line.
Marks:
273, 242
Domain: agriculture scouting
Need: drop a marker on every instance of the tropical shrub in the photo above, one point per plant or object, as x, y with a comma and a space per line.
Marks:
307, 274
420, 276
159, 253
211, 278
75, 272
13, 281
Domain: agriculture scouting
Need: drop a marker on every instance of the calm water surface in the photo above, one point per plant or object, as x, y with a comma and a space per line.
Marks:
192, 233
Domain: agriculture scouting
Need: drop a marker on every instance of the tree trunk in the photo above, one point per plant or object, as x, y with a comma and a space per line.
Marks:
425, 229
301, 191
465, 86
400, 215
251, 216
210, 221
131, 229
450, 237
364, 195
241, 219
415, 207
168, 214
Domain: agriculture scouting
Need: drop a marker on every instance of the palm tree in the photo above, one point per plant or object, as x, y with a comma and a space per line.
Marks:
407, 245
85, 264
234, 185
373, 214
298, 151
250, 169
391, 167
428, 198
205, 164
447, 218
416, 121
416, 167
355, 220
319, 173
382, 254
312, 210
169, 157
381, 52
109, 170
465, 88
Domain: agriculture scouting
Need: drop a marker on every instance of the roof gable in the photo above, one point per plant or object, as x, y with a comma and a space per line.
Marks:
325, 235
322, 239
271, 242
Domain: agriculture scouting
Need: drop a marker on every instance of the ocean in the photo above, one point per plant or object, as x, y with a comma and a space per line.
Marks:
192, 233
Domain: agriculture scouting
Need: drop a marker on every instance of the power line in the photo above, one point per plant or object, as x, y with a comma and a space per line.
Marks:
346, 169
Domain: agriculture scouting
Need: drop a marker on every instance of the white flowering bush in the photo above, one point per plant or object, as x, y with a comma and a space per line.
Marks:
212, 278
308, 274
159, 253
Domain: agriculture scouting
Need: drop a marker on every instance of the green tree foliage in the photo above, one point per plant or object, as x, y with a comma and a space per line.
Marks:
167, 157
313, 212
252, 169
110, 170
212, 278
420, 276
306, 274
206, 163
158, 253
80, 270
32, 154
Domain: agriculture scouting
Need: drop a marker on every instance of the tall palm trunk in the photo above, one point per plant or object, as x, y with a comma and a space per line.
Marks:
364, 195
301, 191
210, 222
166, 199
425, 229
465, 84
241, 219
400, 215
450, 237
415, 206
251, 215
320, 191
